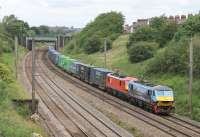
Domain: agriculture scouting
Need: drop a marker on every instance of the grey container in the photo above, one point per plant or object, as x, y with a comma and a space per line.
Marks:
83, 71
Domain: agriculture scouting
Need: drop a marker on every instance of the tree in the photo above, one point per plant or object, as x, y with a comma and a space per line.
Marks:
92, 44
143, 34
14, 26
158, 22
190, 27
43, 29
36, 30
31, 33
167, 33
107, 25
141, 51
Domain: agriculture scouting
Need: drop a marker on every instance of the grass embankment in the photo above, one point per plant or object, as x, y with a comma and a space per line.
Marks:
14, 121
117, 58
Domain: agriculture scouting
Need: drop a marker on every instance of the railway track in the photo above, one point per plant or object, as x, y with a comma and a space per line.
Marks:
52, 106
171, 125
86, 121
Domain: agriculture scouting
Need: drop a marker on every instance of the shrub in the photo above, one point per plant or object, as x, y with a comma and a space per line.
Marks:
174, 59
5, 73
141, 51
3, 91
5, 46
143, 34
92, 45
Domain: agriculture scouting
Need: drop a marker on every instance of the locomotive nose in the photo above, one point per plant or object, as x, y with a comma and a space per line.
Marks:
165, 98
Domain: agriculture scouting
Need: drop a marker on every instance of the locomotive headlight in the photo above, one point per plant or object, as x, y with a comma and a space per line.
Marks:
126, 85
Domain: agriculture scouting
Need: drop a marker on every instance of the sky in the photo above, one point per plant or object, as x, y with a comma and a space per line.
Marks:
78, 13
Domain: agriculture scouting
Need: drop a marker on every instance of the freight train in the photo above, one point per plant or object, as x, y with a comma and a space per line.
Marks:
156, 98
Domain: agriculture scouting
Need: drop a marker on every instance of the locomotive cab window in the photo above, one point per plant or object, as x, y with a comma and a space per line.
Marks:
153, 93
131, 87
149, 92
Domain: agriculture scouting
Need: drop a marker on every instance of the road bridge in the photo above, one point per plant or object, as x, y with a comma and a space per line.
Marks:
57, 42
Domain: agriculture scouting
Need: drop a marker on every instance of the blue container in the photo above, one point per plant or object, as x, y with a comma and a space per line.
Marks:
98, 77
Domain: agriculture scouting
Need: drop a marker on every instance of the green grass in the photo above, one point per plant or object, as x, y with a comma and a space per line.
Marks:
14, 121
117, 58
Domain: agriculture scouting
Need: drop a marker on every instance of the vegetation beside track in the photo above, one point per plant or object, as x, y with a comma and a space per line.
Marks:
14, 121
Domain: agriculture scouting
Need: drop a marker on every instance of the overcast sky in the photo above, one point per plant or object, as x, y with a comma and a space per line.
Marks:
78, 13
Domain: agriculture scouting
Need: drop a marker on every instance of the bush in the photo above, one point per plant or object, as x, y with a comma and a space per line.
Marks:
141, 51
3, 91
5, 46
92, 45
5, 73
167, 33
143, 34
174, 59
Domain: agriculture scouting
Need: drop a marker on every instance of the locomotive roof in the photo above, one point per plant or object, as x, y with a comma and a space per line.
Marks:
121, 77
160, 87
152, 86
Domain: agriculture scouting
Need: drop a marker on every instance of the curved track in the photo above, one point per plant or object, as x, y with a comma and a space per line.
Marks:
78, 118
171, 125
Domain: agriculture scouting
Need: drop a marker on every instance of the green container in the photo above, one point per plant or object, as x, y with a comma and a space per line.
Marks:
62, 61
69, 63
65, 63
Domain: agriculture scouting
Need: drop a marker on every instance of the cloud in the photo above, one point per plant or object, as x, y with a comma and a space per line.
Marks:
79, 12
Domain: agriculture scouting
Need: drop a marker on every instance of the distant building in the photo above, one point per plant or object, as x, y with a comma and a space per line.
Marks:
183, 19
127, 29
145, 22
142, 22
171, 19
134, 27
